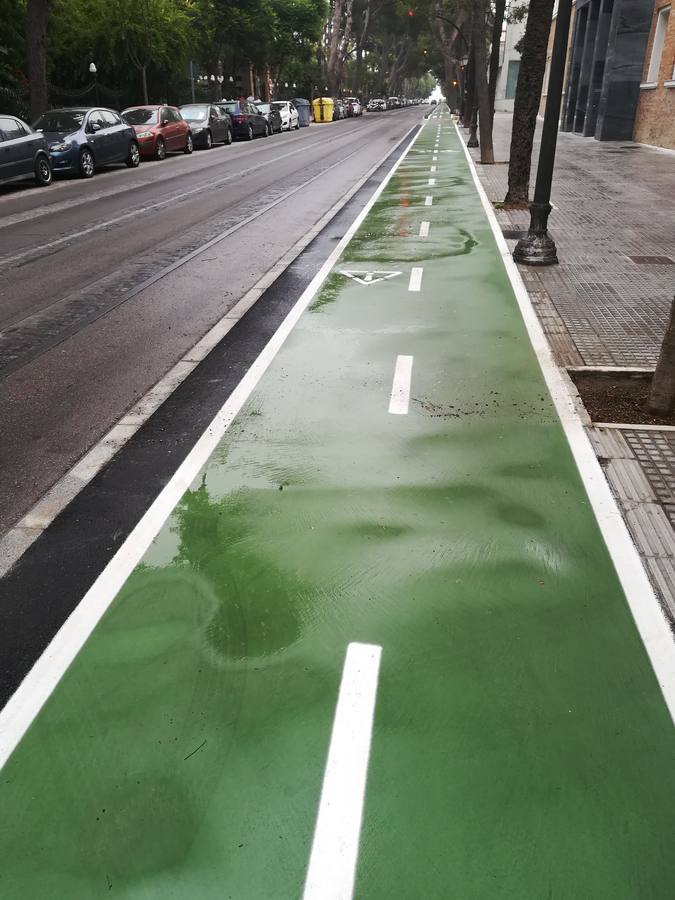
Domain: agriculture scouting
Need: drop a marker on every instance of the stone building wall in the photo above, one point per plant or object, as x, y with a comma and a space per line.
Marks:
655, 118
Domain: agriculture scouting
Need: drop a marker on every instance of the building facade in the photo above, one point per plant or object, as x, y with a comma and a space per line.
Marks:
655, 118
509, 64
605, 67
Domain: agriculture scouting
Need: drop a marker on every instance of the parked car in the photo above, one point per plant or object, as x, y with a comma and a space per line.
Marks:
247, 120
354, 107
272, 115
82, 139
393, 103
339, 110
377, 105
23, 153
290, 118
208, 123
159, 130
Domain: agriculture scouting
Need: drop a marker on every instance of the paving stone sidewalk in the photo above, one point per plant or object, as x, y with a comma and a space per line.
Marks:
607, 303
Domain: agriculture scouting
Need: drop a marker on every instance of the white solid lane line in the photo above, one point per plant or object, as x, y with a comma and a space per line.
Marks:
335, 849
400, 386
424, 229
428, 201
416, 279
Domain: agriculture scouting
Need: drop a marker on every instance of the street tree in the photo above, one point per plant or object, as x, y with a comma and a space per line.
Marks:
497, 25
661, 399
527, 99
448, 24
478, 45
149, 32
37, 22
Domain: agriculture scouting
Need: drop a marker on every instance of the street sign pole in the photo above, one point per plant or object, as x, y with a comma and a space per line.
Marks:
538, 248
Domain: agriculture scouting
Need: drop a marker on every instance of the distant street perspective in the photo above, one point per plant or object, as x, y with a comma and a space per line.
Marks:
337, 458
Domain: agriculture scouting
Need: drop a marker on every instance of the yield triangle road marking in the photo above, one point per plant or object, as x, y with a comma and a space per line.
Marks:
366, 277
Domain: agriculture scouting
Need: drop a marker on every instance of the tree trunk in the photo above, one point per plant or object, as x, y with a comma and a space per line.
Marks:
661, 400
144, 80
344, 44
487, 155
528, 96
333, 66
500, 5
37, 19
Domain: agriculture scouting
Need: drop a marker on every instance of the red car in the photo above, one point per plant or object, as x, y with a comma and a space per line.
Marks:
159, 130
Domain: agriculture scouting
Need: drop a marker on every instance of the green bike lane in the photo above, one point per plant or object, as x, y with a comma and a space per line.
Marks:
520, 743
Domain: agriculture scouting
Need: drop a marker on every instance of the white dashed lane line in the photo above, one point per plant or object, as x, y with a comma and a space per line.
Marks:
335, 848
416, 279
400, 387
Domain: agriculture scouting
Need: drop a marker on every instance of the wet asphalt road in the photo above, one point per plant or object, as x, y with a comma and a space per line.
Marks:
81, 339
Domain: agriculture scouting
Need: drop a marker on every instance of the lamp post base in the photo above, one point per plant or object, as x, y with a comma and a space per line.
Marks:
538, 248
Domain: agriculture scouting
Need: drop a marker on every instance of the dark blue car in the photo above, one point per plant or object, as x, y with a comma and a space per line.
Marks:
81, 140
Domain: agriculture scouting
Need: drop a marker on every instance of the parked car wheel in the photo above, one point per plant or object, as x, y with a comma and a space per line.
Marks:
209, 140
160, 149
87, 164
189, 145
43, 172
134, 157
297, 125
249, 133
230, 136
268, 130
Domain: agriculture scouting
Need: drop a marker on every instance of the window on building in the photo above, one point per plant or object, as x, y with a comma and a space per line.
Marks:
512, 78
657, 46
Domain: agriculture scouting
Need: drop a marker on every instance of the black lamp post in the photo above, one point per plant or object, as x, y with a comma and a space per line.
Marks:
538, 248
94, 71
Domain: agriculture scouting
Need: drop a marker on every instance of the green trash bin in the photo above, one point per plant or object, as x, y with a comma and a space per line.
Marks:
323, 109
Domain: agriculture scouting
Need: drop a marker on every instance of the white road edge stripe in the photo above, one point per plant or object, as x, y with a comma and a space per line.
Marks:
37, 686
335, 849
424, 229
400, 386
416, 278
644, 606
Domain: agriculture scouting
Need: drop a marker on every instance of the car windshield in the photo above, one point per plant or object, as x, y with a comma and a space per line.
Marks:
278, 106
195, 113
231, 107
141, 116
264, 107
60, 120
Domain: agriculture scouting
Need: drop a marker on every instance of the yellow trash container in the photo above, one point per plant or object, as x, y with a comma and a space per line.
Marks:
323, 109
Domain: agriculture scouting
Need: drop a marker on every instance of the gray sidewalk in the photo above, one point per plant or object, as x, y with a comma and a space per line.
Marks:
607, 303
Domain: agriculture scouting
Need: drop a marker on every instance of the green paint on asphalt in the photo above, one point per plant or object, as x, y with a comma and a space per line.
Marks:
521, 747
